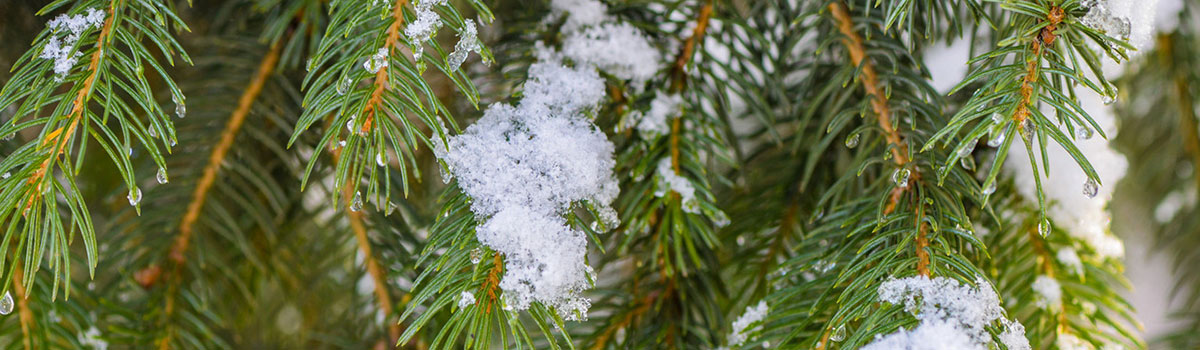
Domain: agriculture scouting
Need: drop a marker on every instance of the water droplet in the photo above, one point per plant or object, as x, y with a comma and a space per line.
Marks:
8, 137
476, 255
380, 159
997, 118
967, 163
446, 176
344, 86
720, 219
989, 189
965, 150
308, 65
997, 140
1083, 133
342, 143
6, 304
900, 177
172, 142
134, 196
5, 175
741, 240
180, 107
130, 151
357, 203
161, 176
852, 141
1108, 100
152, 132
1091, 188
1044, 227
839, 333
1027, 128
389, 208
350, 125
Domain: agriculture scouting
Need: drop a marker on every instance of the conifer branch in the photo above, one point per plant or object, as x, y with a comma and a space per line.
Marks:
178, 250
58, 137
870, 81
381, 76
1183, 95
220, 150
382, 295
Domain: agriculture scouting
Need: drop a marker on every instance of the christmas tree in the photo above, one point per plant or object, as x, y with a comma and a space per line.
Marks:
587, 174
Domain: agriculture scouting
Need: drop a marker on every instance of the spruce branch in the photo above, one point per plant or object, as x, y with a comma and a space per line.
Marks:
118, 33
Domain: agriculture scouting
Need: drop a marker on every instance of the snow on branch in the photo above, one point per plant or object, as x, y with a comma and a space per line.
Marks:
952, 315
525, 165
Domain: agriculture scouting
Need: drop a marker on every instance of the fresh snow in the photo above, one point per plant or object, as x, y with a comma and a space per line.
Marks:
526, 165
952, 315
741, 326
62, 50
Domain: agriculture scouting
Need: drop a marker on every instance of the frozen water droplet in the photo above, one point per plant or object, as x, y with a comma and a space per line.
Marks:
134, 196
180, 107
1044, 227
965, 150
997, 140
967, 163
1091, 188
466, 299
990, 188
476, 255
357, 203
161, 176
720, 219
1083, 133
839, 333
6, 304
900, 177
1108, 99
344, 86
852, 141
380, 159
1027, 128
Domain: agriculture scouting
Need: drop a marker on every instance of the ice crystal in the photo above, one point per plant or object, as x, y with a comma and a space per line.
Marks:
741, 327
62, 50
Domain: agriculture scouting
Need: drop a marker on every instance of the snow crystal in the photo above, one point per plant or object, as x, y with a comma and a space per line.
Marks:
468, 41
1013, 336
741, 326
426, 24
1070, 259
91, 338
952, 315
656, 121
523, 166
377, 61
1049, 292
466, 299
62, 51
667, 180
617, 48
579, 13
932, 335
1084, 218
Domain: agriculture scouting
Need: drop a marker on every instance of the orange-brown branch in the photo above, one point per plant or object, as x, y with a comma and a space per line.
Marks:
373, 268
179, 248
26, 314
60, 138
1033, 64
493, 281
200, 194
381, 76
870, 81
689, 47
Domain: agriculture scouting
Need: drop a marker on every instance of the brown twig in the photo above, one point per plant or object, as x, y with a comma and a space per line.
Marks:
382, 296
381, 76
26, 314
493, 281
179, 248
59, 137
